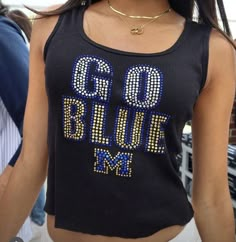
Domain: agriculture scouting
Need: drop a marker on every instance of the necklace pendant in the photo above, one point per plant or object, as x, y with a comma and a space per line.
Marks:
136, 31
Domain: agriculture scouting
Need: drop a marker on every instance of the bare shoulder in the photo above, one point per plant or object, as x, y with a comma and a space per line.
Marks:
220, 45
43, 27
221, 57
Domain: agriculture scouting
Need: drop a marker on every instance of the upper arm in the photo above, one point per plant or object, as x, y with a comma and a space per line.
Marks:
34, 150
210, 124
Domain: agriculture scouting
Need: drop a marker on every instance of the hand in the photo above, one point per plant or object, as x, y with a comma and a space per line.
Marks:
4, 178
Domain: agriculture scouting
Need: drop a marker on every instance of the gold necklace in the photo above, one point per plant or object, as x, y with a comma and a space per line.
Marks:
137, 30
137, 16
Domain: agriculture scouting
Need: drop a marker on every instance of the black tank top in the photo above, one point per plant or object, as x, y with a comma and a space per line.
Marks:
114, 130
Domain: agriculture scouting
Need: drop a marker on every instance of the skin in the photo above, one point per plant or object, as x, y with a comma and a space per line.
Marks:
211, 199
4, 178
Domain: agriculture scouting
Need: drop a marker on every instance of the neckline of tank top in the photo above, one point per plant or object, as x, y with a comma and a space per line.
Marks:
177, 43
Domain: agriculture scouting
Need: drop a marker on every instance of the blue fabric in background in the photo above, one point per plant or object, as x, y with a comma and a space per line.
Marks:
14, 69
37, 214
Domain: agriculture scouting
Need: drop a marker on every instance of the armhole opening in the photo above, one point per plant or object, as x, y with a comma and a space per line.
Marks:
205, 56
56, 27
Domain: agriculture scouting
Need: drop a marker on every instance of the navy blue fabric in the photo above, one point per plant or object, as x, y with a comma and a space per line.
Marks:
14, 67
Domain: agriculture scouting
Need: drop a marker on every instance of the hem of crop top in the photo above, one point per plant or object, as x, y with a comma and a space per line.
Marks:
177, 43
67, 225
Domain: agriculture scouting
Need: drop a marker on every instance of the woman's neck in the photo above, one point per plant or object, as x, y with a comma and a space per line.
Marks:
140, 7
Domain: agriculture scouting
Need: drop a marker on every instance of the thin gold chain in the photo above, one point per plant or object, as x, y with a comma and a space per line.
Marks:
136, 16
137, 30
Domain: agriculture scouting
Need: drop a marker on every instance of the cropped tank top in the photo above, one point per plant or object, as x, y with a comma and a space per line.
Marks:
115, 123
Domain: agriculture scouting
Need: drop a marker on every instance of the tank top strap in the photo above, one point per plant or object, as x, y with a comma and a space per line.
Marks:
69, 21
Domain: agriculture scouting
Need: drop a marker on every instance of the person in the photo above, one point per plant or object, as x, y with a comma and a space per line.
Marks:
22, 20
37, 215
112, 83
13, 92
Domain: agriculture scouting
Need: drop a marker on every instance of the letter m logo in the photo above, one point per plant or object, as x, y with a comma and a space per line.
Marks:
105, 163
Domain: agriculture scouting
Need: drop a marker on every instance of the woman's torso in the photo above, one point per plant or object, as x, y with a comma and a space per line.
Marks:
170, 38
